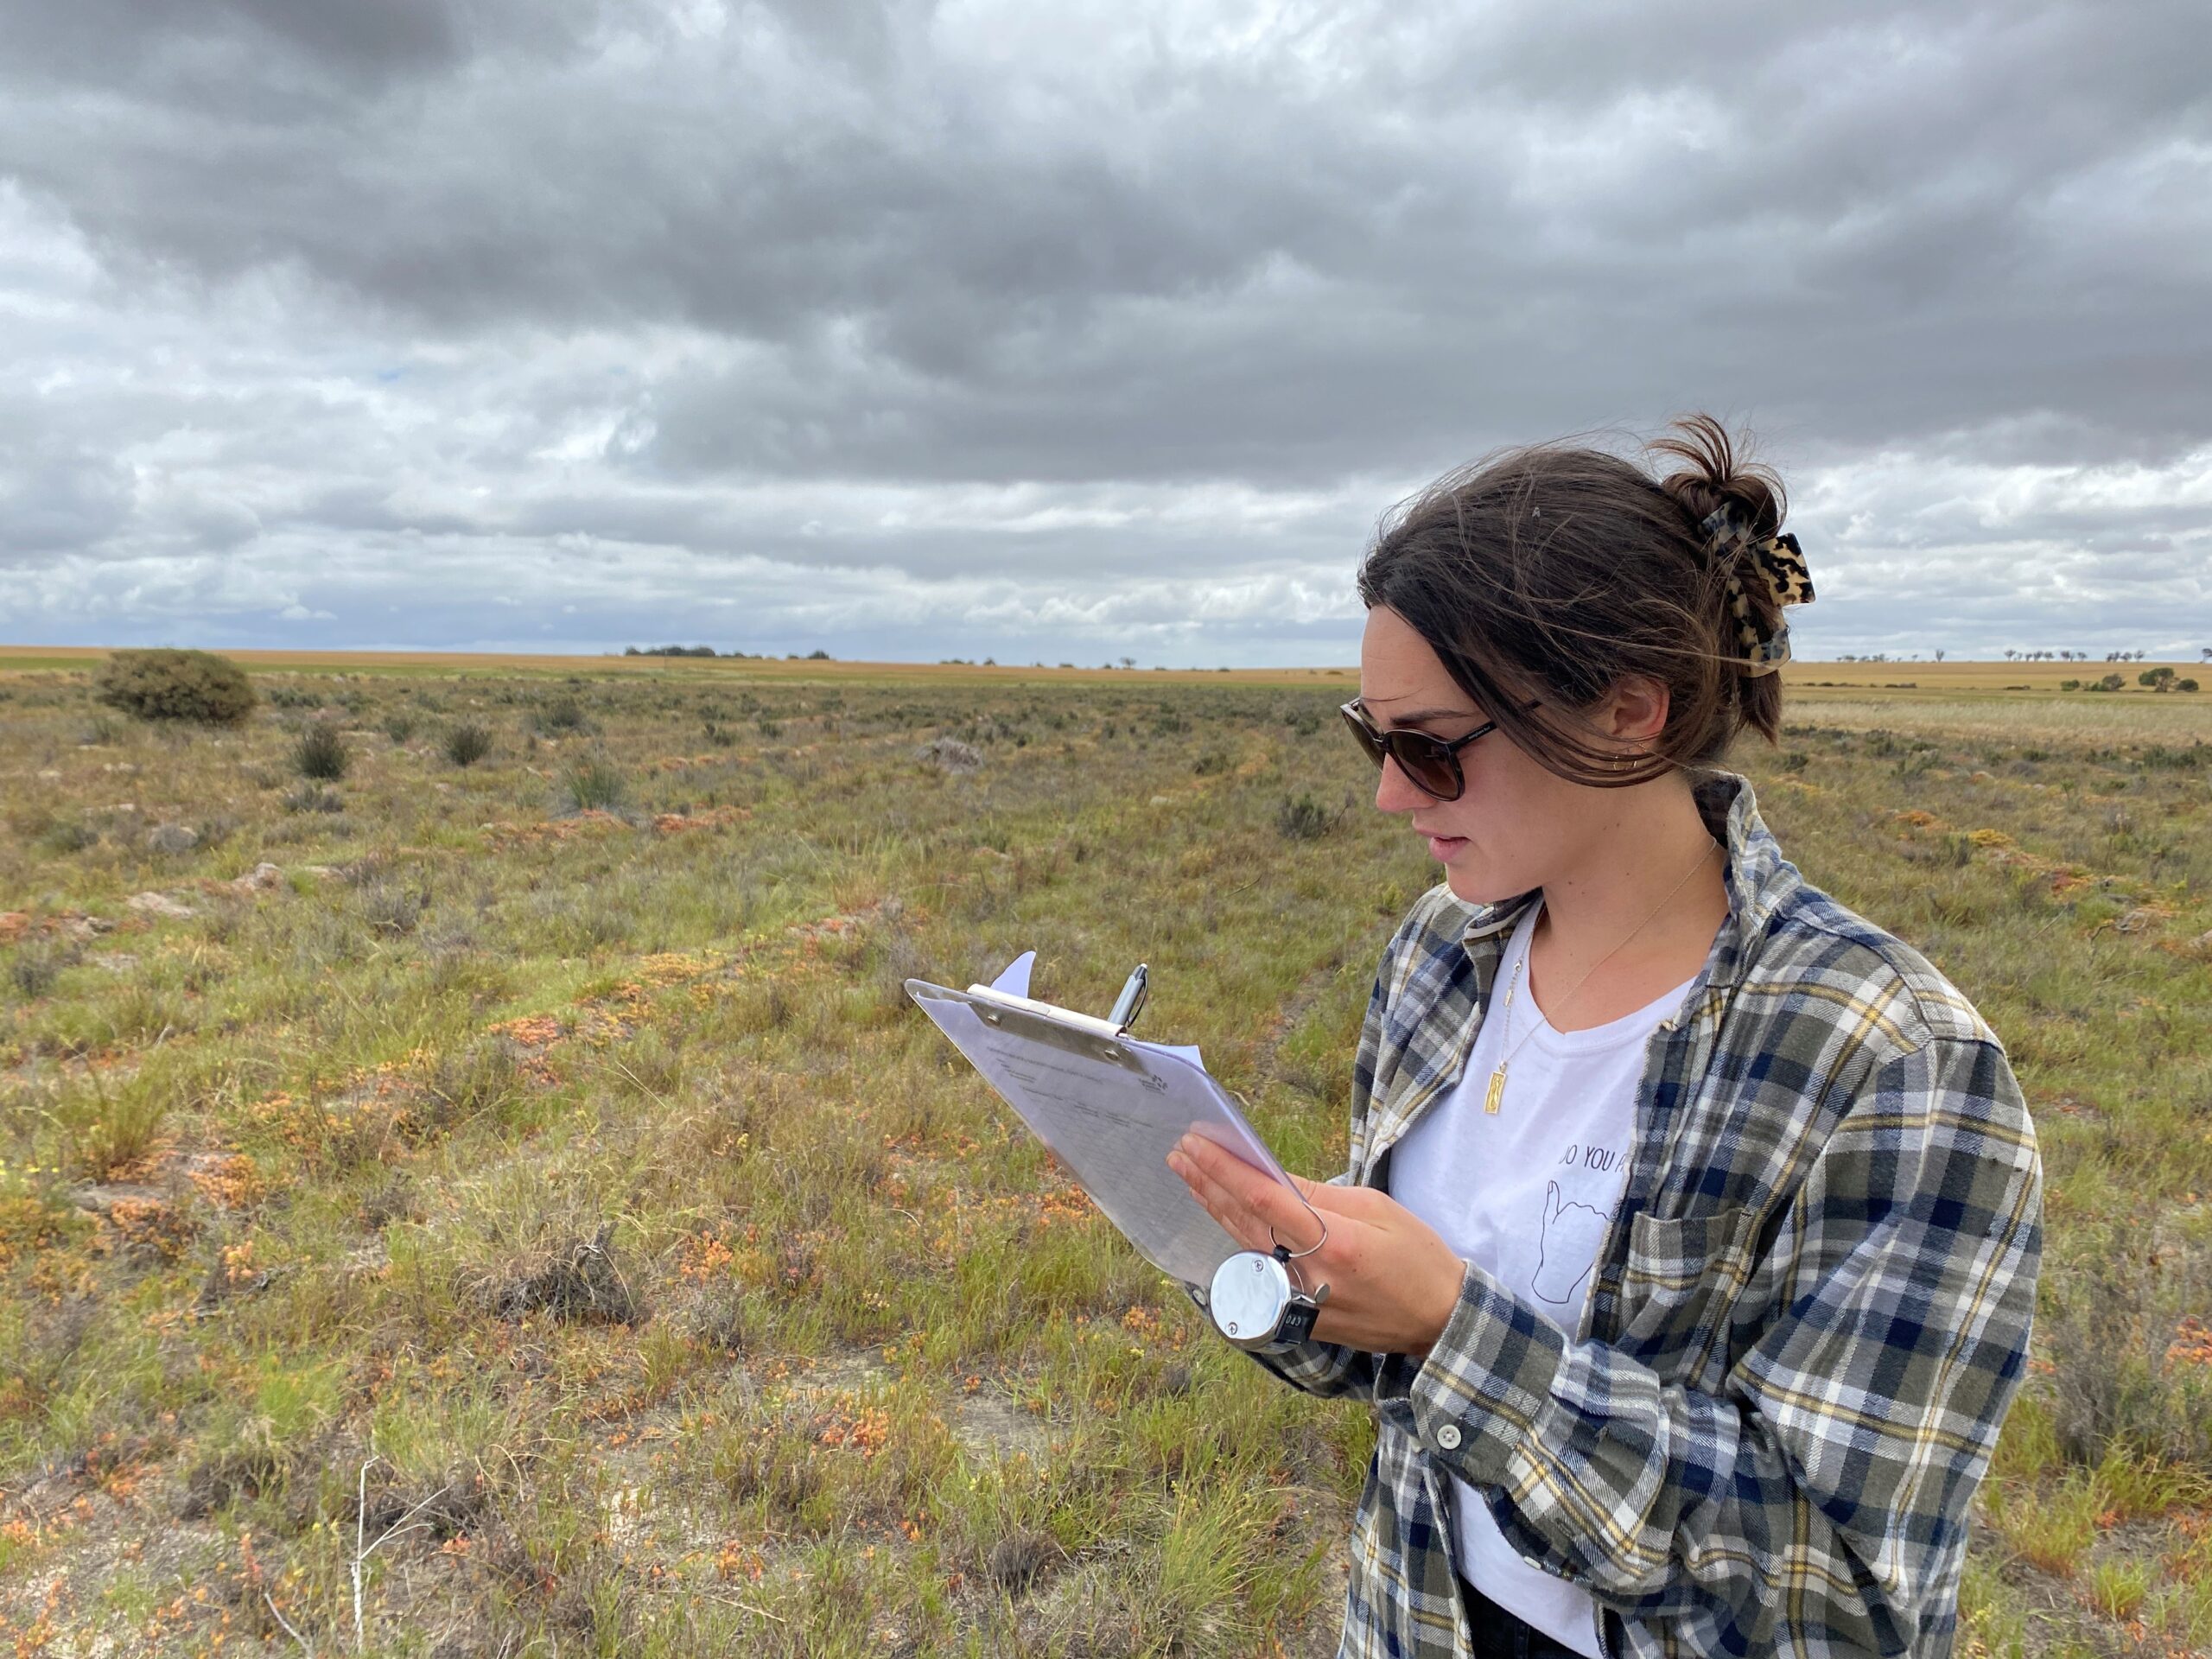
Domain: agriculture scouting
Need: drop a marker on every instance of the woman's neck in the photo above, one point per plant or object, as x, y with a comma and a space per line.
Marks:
1639, 907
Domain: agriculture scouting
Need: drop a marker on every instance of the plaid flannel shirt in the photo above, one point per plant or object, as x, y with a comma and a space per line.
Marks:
1808, 1317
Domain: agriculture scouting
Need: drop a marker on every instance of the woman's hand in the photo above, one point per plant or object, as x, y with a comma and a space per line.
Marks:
1393, 1281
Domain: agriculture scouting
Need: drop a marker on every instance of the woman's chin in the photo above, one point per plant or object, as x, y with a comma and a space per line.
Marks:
1469, 888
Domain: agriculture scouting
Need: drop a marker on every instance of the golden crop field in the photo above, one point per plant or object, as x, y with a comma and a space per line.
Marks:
513, 1208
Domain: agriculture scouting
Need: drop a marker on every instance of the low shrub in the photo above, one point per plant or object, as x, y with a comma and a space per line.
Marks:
392, 909
165, 685
593, 785
576, 1281
320, 752
66, 835
38, 965
1302, 818
106, 1130
949, 754
559, 718
313, 797
467, 742
2111, 1332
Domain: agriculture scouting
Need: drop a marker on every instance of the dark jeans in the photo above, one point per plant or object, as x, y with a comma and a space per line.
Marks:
1499, 1635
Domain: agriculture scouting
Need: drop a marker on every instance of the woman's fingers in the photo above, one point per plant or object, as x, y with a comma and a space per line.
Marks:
1222, 1201
1238, 1219
1245, 1200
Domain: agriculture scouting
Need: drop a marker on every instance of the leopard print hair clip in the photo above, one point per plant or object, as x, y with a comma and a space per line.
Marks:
1781, 565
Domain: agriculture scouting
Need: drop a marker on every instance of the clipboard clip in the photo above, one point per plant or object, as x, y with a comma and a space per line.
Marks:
1078, 1034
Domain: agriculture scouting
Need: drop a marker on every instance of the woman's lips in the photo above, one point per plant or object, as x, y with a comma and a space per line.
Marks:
1444, 846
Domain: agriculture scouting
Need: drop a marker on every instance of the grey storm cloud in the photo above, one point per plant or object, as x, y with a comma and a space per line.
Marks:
1074, 328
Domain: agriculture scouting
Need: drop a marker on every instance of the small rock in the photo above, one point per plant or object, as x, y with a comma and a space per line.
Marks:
117, 766
173, 838
260, 879
1160, 800
116, 961
157, 904
49, 776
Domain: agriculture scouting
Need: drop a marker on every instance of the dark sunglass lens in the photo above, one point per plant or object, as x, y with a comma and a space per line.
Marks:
1428, 763
1368, 743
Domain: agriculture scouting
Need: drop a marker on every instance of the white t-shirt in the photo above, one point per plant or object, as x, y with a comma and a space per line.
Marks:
1527, 1195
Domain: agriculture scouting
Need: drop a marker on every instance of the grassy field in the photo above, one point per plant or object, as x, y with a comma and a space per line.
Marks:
513, 1208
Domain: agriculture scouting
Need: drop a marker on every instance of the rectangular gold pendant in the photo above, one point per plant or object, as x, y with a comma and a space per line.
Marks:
1496, 1093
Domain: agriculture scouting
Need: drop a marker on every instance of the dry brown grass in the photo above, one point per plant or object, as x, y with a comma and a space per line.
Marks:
590, 1180
26, 658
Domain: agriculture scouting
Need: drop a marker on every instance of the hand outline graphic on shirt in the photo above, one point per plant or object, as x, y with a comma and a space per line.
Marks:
1567, 1246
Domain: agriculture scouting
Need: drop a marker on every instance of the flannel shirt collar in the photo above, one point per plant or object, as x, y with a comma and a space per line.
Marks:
1759, 881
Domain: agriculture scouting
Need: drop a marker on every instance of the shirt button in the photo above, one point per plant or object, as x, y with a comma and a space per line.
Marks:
1448, 1436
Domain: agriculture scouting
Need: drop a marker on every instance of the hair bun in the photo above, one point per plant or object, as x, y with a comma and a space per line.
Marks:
1719, 474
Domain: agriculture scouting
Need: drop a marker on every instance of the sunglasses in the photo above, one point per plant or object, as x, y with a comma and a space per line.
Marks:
1432, 763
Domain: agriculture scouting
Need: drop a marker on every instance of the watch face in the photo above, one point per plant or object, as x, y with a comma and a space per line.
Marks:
1250, 1292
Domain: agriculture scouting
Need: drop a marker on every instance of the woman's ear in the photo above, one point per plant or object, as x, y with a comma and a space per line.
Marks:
1635, 710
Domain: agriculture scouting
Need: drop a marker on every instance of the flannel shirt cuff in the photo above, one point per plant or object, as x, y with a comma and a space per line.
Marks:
1477, 1396
1313, 1366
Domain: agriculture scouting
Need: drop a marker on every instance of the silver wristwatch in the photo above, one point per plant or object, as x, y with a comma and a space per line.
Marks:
1255, 1302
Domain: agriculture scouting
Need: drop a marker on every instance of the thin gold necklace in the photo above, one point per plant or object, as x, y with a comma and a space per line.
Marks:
1494, 1095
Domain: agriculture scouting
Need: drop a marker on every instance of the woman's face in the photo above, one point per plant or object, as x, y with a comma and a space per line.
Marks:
1516, 825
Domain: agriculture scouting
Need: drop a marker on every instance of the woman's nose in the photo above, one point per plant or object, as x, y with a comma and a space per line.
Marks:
1394, 791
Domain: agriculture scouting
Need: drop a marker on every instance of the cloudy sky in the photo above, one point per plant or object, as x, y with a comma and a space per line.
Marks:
1062, 331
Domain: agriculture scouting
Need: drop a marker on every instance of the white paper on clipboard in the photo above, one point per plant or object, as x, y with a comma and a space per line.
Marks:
1110, 1106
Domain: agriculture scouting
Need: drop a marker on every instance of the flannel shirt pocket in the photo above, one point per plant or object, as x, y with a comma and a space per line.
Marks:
1681, 1278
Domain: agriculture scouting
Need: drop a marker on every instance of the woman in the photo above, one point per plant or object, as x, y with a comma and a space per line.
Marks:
1688, 1251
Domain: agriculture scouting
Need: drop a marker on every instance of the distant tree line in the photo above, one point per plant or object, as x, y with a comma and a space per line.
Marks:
2161, 678
816, 656
2204, 654
2083, 656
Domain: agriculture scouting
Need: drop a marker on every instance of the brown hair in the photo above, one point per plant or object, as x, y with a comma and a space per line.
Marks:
1549, 573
